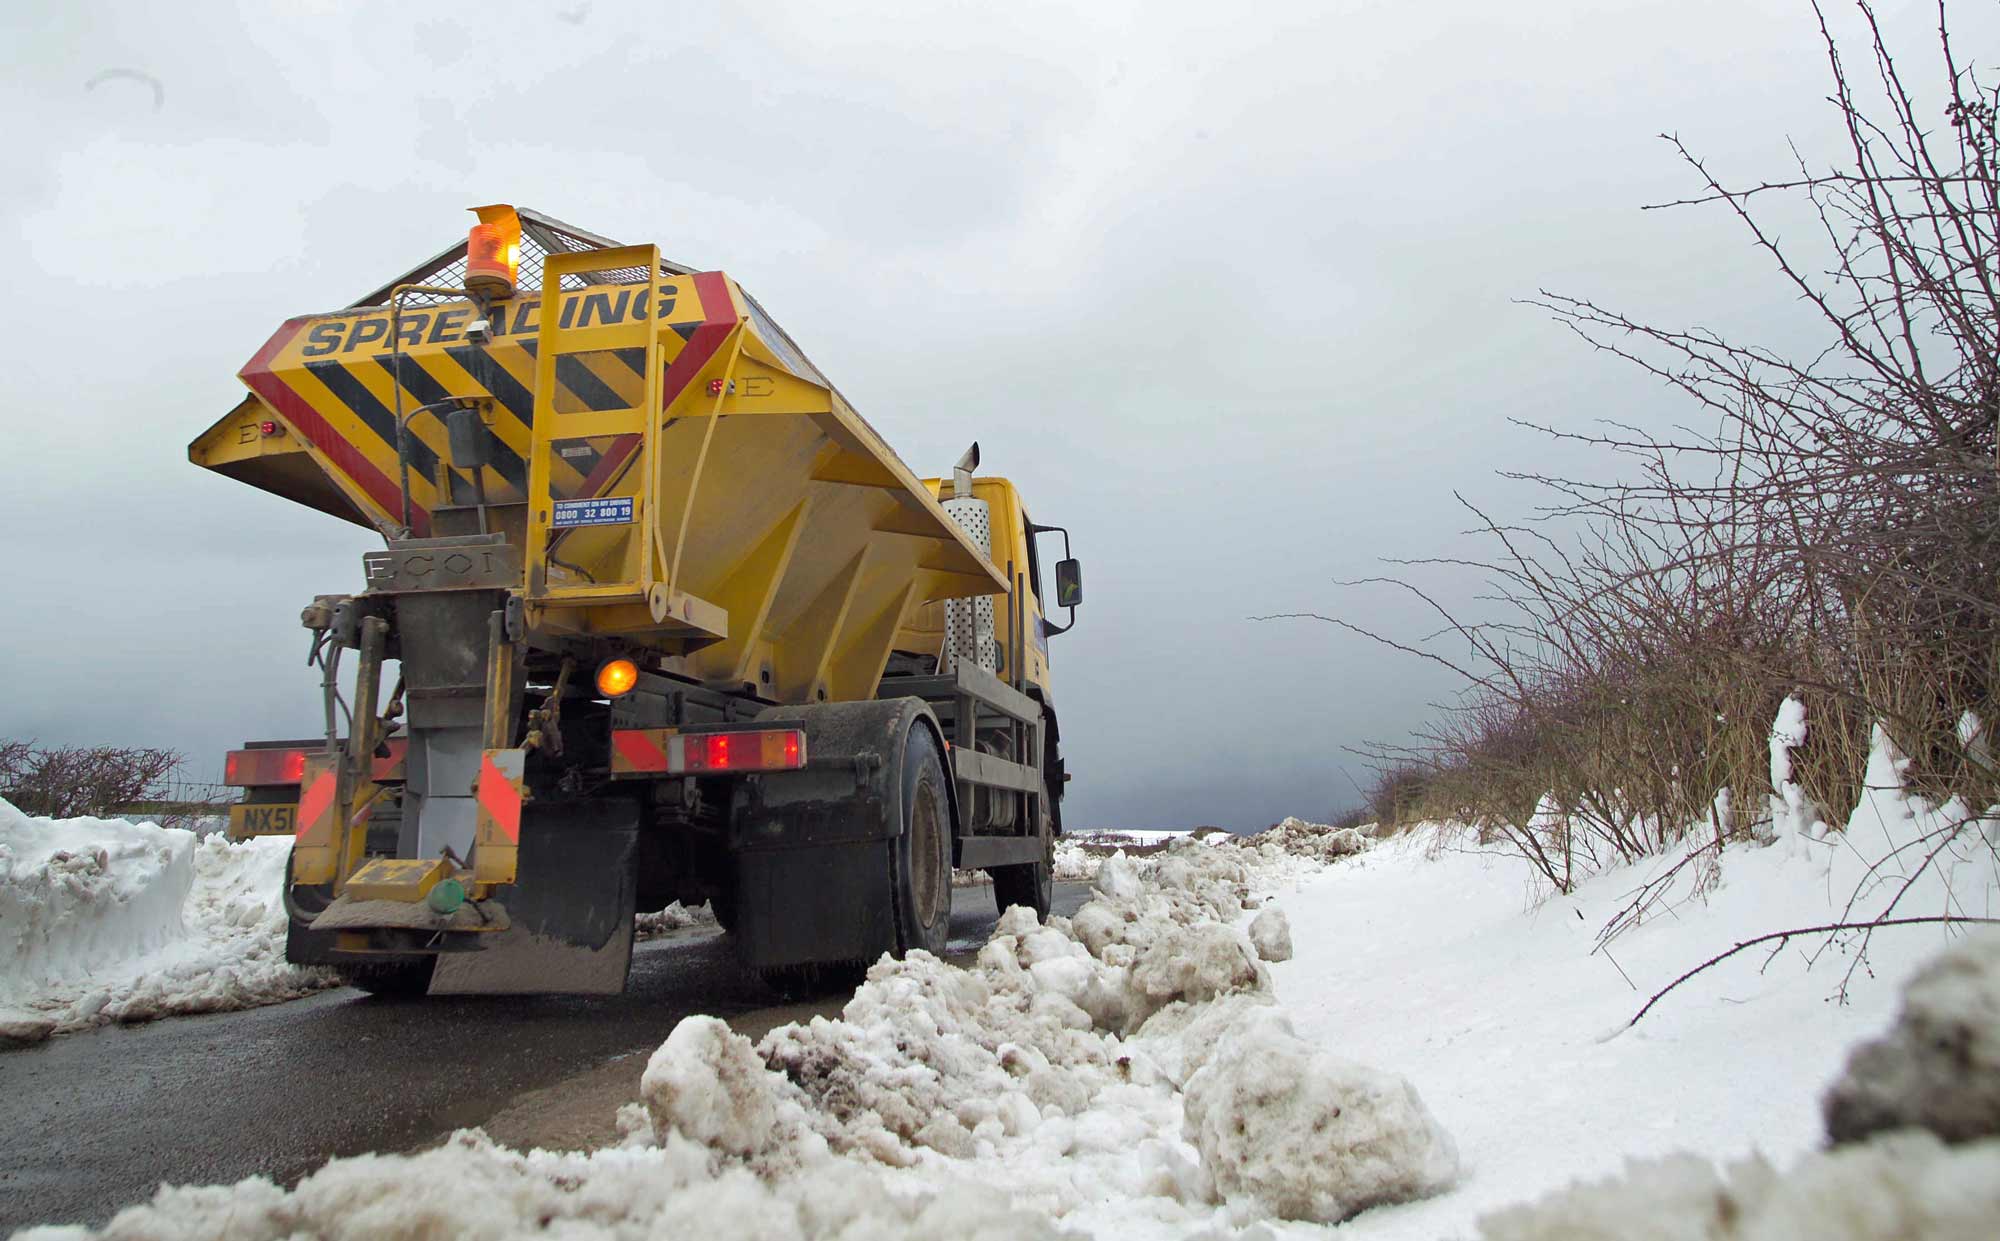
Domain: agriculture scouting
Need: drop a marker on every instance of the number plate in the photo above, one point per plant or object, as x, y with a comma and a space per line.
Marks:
276, 819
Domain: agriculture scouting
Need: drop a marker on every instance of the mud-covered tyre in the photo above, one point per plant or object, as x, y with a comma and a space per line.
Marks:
920, 853
390, 977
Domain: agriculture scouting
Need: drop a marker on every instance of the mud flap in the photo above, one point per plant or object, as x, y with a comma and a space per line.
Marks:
570, 908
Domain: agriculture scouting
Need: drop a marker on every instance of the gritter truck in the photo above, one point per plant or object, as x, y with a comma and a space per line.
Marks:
659, 617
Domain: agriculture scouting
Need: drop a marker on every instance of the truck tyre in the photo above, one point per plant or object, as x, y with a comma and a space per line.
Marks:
920, 854
403, 978
1031, 884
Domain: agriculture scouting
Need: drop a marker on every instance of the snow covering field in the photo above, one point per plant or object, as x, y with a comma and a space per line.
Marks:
102, 920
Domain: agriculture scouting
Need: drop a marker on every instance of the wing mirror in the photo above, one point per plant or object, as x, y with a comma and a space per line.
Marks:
1069, 583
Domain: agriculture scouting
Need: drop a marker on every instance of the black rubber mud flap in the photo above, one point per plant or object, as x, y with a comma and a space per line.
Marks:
814, 877
571, 908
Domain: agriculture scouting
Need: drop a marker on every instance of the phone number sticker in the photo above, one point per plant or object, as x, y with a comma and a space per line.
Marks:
616, 511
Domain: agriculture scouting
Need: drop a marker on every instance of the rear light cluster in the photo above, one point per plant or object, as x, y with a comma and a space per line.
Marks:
769, 749
245, 769
249, 768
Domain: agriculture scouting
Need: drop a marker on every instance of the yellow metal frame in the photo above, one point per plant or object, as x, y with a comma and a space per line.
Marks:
642, 596
775, 539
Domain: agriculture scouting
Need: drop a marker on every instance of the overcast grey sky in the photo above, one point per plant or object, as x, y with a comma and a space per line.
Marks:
1228, 289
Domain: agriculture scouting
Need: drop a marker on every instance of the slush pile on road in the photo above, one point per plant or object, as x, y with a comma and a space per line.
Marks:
1125, 1071
1130, 1059
103, 920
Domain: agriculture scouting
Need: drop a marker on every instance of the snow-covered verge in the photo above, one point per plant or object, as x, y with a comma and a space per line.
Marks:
1933, 1079
1905, 1186
1449, 962
102, 920
1123, 1073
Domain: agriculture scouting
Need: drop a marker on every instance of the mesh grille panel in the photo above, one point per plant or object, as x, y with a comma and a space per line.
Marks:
540, 237
969, 623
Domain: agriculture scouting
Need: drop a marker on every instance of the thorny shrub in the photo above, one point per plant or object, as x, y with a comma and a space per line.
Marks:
1832, 532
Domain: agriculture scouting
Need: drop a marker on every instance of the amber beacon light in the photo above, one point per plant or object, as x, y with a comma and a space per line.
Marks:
493, 253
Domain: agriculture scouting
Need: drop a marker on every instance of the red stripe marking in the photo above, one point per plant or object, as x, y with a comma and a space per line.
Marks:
639, 750
258, 376
317, 801
500, 799
718, 310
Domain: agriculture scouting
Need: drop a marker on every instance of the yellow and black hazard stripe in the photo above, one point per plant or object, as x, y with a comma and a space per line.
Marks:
336, 384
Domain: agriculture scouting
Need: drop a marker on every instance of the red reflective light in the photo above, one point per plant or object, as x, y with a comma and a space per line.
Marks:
295, 766
269, 427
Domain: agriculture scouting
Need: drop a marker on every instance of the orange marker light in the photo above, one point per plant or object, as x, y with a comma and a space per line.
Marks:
616, 677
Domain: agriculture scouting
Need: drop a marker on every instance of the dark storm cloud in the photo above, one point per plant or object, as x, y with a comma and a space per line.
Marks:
1228, 290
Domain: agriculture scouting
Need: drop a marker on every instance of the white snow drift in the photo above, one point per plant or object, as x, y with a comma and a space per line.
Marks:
1933, 1076
103, 920
1448, 961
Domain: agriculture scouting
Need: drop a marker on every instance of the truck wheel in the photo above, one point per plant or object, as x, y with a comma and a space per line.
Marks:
920, 854
390, 977
1032, 884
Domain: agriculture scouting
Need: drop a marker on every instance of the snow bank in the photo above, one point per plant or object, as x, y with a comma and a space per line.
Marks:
1897, 1187
1934, 1076
1310, 840
1938, 1067
102, 920
1499, 999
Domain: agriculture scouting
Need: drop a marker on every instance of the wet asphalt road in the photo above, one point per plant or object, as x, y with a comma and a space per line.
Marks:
94, 1122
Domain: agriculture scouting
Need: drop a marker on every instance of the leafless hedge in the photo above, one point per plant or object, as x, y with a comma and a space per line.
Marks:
70, 781
1830, 529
